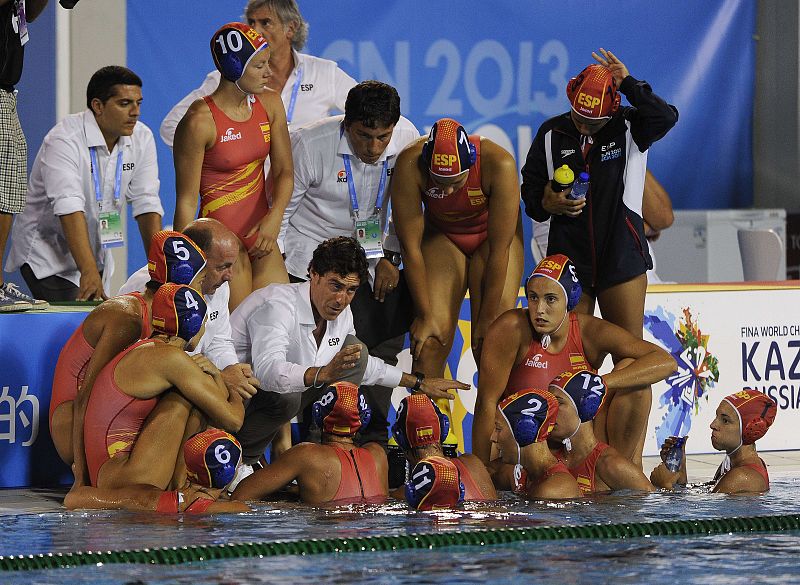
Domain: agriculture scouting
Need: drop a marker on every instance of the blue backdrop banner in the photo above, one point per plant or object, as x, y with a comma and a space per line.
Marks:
27, 454
501, 69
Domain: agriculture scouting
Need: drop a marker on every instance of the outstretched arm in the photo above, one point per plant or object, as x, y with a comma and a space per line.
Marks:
274, 476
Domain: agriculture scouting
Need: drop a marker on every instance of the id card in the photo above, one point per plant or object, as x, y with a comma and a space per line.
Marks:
22, 23
368, 234
110, 229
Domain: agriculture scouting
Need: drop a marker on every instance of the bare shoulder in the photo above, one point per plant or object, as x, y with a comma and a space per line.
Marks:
409, 156
495, 154
513, 324
271, 100
741, 480
376, 451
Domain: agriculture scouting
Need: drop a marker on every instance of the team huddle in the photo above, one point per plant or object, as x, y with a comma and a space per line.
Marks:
322, 242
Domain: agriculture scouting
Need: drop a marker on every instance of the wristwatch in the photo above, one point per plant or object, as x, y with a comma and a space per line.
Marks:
394, 257
417, 387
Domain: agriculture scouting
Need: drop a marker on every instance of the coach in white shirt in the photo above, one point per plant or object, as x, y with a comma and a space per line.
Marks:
88, 166
297, 332
310, 87
221, 248
343, 168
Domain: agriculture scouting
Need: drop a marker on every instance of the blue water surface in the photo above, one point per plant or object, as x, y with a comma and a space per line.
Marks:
737, 558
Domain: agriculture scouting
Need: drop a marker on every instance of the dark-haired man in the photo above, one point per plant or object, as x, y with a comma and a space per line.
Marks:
342, 173
297, 332
88, 166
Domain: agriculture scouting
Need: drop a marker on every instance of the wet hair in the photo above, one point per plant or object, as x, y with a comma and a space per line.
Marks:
101, 85
341, 255
373, 103
288, 12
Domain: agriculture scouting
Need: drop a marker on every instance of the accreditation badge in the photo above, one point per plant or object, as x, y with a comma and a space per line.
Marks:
368, 233
110, 229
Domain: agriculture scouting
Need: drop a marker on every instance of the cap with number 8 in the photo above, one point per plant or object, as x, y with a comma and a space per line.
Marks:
212, 457
178, 310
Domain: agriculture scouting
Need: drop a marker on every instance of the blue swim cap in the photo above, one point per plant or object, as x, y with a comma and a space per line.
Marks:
233, 46
586, 389
178, 310
435, 484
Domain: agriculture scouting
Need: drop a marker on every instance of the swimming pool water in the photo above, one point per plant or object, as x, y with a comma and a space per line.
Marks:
711, 559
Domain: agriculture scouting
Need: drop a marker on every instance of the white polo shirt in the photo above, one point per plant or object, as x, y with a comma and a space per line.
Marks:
320, 206
61, 184
278, 323
322, 89
216, 343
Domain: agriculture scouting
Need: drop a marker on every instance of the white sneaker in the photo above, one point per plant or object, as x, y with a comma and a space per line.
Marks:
12, 292
244, 470
9, 305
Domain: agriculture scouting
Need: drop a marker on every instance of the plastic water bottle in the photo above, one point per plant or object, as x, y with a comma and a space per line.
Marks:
675, 455
580, 187
562, 178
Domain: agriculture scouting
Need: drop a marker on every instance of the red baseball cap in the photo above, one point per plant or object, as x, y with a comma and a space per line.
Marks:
593, 93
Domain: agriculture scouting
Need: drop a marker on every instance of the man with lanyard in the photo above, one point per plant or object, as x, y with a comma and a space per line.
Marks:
310, 87
14, 18
89, 164
343, 167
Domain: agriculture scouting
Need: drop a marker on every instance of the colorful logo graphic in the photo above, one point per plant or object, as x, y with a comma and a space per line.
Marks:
697, 373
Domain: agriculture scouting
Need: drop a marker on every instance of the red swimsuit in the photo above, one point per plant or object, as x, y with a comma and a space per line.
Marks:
584, 472
462, 216
359, 481
232, 185
113, 419
539, 367
472, 493
74, 358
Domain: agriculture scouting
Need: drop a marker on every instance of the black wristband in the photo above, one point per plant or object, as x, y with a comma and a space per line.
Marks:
417, 387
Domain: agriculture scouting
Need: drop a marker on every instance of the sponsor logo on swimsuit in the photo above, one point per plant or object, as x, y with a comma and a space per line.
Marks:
341, 176
476, 196
229, 136
535, 363
435, 193
567, 152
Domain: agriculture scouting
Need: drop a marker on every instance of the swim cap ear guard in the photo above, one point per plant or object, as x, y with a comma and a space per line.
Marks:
174, 257
585, 389
232, 48
342, 410
531, 415
756, 413
561, 269
448, 151
435, 484
178, 310
419, 422
212, 458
